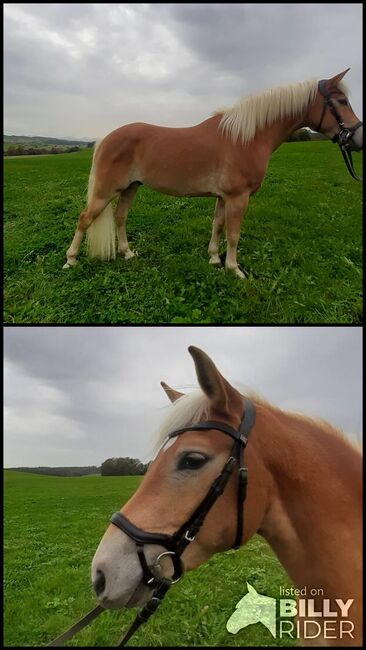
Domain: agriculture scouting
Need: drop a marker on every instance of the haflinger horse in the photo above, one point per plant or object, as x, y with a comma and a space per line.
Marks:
304, 497
225, 156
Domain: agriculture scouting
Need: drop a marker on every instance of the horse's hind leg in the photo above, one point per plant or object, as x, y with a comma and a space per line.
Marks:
95, 207
124, 203
217, 227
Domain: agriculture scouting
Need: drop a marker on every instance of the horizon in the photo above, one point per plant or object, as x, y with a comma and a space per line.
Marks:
23, 135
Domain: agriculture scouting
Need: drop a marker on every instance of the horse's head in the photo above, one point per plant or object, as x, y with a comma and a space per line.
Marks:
253, 608
332, 114
175, 484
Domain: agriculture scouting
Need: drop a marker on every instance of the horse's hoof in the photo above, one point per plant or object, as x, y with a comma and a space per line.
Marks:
239, 274
215, 262
69, 264
130, 254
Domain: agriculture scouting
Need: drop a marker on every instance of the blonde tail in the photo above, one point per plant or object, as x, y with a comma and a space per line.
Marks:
101, 234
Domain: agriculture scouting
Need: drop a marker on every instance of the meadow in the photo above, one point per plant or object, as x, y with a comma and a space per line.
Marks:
300, 247
52, 526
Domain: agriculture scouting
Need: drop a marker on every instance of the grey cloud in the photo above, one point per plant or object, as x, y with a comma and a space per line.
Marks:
79, 395
163, 63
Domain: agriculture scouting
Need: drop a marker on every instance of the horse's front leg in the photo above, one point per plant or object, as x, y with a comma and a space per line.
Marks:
217, 227
234, 212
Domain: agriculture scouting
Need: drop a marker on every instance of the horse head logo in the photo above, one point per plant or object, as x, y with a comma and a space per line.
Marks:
253, 608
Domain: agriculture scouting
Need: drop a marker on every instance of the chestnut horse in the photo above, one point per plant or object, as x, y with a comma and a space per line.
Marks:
304, 497
225, 156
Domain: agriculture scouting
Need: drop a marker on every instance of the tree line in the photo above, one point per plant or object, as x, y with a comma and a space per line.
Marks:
22, 150
59, 471
110, 467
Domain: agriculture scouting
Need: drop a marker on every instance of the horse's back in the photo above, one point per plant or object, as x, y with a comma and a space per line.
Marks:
136, 132
171, 159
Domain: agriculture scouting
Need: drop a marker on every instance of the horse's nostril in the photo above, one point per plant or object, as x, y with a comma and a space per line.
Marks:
99, 583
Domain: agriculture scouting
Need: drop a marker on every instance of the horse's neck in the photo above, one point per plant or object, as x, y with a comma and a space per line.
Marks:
275, 134
314, 510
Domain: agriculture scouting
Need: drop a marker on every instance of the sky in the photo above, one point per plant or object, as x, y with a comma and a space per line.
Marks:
82, 70
77, 396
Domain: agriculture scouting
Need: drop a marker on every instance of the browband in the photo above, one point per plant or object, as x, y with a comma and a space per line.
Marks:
237, 434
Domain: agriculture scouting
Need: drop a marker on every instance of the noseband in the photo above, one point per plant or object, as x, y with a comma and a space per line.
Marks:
178, 542
345, 134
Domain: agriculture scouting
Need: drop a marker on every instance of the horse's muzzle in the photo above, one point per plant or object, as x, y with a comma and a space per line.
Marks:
356, 142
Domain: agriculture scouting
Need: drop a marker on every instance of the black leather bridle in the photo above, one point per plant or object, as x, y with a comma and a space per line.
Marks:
345, 134
178, 542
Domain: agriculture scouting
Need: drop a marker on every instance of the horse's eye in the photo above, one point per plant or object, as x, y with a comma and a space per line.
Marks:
192, 460
343, 101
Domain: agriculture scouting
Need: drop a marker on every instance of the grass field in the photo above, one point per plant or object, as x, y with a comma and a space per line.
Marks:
52, 528
300, 245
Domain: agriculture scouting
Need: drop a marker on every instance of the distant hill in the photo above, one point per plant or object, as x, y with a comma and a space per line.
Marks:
40, 140
58, 471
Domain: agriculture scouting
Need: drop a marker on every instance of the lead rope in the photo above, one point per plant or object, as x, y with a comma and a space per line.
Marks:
144, 615
347, 156
141, 618
88, 618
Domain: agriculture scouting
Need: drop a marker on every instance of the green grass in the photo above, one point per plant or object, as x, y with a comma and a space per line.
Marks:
52, 526
300, 244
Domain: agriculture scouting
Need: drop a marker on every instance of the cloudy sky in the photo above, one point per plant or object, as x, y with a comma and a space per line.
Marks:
76, 396
81, 70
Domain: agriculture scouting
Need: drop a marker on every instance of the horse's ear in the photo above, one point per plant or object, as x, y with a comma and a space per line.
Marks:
216, 388
251, 590
333, 82
172, 394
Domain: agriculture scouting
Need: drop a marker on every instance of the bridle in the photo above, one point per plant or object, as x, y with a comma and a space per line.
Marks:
178, 542
185, 535
345, 134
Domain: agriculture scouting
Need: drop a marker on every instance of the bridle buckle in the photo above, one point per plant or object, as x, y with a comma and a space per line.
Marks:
188, 538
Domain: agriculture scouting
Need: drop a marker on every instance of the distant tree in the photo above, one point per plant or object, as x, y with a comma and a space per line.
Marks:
304, 135
123, 467
299, 136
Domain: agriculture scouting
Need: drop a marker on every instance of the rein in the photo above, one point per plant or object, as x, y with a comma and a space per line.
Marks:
343, 137
177, 543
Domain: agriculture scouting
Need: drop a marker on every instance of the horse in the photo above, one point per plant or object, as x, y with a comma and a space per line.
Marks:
225, 156
303, 496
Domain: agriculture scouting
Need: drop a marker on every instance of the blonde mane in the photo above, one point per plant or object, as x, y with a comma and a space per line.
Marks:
243, 119
194, 407
189, 408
